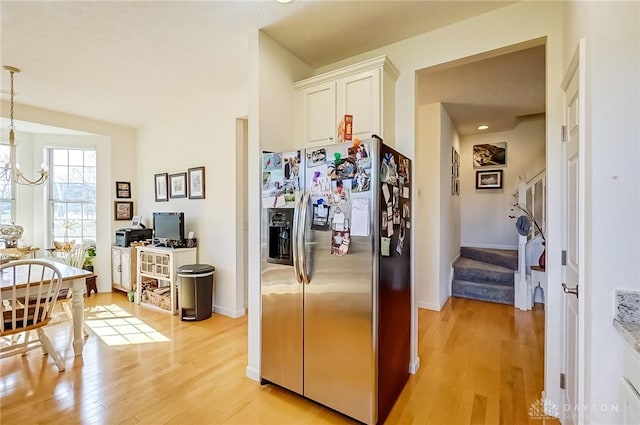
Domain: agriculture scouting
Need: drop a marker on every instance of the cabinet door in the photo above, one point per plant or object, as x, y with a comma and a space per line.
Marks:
116, 267
162, 265
316, 114
125, 265
359, 95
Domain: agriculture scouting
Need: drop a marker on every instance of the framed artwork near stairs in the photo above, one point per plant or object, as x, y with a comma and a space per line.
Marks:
490, 179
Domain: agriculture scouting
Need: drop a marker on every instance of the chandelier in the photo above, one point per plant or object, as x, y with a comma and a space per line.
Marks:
16, 174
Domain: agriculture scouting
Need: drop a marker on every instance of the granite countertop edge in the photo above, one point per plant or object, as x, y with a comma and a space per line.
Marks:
630, 332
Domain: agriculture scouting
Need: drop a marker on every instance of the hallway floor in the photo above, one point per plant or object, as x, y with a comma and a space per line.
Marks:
481, 363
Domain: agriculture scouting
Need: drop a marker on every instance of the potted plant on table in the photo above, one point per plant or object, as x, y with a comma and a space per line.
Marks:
89, 256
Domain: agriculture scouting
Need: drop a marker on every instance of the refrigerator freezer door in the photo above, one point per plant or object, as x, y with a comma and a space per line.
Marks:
282, 315
339, 319
282, 336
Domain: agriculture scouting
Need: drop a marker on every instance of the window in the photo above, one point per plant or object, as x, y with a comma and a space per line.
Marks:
6, 187
72, 195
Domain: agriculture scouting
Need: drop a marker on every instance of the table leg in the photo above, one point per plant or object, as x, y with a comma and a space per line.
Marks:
77, 310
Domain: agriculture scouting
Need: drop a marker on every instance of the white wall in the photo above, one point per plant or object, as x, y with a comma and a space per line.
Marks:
485, 212
449, 208
273, 72
426, 220
202, 134
437, 212
117, 142
612, 40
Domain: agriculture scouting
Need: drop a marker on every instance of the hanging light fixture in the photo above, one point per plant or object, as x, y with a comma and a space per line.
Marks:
16, 174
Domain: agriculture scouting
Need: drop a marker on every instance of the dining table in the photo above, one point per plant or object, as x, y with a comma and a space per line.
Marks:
72, 278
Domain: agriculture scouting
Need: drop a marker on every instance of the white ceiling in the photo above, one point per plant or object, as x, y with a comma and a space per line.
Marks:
131, 62
498, 91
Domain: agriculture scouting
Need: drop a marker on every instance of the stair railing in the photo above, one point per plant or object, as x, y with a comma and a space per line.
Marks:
532, 198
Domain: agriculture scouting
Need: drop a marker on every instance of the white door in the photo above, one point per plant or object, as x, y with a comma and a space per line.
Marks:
573, 285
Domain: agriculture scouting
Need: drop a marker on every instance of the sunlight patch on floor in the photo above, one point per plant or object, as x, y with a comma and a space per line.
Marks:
115, 326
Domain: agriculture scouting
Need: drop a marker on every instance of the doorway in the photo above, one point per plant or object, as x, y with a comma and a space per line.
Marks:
506, 90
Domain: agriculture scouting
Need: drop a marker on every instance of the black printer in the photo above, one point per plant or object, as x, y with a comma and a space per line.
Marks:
124, 237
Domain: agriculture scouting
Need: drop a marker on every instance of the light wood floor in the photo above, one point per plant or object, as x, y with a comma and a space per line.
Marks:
481, 363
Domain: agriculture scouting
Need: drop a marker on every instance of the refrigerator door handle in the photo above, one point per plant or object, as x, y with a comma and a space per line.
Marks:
304, 207
296, 222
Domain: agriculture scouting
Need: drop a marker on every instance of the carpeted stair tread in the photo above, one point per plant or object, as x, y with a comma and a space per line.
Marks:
500, 257
478, 271
482, 291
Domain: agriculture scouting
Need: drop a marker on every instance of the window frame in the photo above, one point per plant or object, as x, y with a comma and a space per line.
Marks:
53, 200
12, 185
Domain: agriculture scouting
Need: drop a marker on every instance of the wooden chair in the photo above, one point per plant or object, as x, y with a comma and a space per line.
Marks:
28, 296
75, 258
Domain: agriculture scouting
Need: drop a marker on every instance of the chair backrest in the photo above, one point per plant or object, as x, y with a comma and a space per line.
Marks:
75, 257
28, 293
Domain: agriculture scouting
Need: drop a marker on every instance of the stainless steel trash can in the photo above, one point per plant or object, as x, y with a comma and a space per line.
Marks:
196, 291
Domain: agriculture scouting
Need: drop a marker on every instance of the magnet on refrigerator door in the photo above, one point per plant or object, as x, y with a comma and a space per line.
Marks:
320, 219
340, 241
361, 181
345, 168
272, 161
316, 157
385, 244
339, 193
396, 216
338, 220
360, 223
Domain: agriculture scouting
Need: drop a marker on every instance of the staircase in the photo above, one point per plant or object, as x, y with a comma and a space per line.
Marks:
485, 274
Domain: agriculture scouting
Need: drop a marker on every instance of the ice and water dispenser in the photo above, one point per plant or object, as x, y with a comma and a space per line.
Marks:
280, 235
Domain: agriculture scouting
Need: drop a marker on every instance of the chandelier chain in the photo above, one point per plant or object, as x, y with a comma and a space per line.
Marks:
11, 125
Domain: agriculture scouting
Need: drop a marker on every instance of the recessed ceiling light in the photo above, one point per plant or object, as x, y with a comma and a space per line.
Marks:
284, 1
483, 127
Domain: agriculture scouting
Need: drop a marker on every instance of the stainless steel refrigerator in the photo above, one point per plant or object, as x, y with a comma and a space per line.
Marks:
335, 276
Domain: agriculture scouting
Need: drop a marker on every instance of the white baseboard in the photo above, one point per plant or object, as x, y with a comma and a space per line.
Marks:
414, 366
429, 306
229, 313
481, 245
252, 373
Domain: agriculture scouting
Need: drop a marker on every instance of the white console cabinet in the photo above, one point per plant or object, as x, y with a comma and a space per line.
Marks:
365, 90
157, 278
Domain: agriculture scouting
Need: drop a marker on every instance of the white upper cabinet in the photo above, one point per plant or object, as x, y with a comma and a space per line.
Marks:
365, 90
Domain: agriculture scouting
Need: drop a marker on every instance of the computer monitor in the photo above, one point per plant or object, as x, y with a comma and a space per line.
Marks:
168, 228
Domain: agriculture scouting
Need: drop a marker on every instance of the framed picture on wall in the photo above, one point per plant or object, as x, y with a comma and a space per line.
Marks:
178, 185
490, 154
160, 184
123, 210
123, 190
196, 183
489, 179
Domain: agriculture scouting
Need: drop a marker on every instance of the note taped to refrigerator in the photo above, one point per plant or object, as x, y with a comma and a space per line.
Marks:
385, 192
385, 243
360, 225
